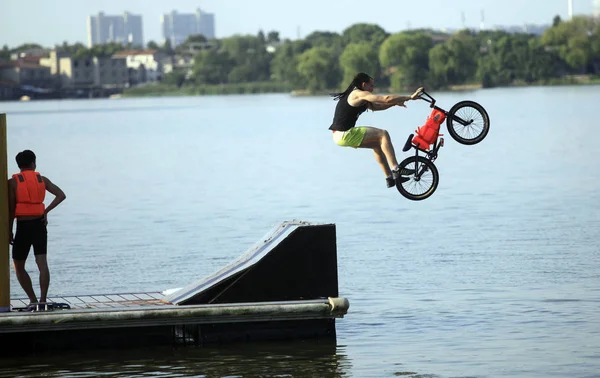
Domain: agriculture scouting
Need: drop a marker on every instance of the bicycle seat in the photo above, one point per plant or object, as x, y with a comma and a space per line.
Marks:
408, 143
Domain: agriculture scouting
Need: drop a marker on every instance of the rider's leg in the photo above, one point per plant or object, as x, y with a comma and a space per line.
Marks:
378, 139
381, 160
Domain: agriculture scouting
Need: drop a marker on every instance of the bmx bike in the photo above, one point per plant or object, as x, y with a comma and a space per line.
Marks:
467, 122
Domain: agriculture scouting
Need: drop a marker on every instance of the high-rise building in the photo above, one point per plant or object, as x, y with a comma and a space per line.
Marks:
178, 26
125, 29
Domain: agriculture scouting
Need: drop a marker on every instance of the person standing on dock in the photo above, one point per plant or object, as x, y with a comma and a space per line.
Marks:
26, 193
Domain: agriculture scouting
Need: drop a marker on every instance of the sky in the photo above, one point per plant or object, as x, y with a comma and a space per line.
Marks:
50, 22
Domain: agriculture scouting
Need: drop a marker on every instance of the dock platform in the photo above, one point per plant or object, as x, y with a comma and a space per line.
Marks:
285, 287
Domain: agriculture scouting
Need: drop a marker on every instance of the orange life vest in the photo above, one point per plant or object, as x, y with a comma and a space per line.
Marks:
31, 192
428, 133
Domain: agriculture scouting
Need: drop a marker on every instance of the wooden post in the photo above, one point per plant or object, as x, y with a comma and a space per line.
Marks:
4, 247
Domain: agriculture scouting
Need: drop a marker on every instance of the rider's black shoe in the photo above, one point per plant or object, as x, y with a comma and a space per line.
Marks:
390, 181
396, 172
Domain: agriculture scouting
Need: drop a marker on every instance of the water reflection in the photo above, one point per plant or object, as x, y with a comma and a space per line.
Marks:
291, 359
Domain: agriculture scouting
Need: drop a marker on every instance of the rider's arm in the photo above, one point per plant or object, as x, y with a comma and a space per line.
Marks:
375, 106
390, 100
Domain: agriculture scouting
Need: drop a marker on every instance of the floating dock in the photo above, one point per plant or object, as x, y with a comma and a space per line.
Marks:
284, 287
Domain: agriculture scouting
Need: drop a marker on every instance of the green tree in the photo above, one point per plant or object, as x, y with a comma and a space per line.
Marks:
319, 68
27, 46
454, 61
516, 57
595, 46
262, 40
273, 37
541, 64
167, 48
5, 53
370, 33
176, 78
556, 20
212, 67
252, 61
358, 57
406, 57
104, 50
284, 66
573, 40
195, 38
152, 45
325, 39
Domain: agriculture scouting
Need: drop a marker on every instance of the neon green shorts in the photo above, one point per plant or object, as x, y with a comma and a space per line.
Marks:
351, 138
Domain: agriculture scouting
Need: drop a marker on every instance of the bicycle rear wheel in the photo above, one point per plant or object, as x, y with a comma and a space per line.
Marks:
473, 123
423, 182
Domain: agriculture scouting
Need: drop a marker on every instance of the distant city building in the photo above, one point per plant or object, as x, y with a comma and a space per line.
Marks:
124, 29
26, 72
512, 29
29, 52
87, 72
177, 27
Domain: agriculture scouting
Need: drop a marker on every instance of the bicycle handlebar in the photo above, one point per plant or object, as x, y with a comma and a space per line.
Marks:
429, 99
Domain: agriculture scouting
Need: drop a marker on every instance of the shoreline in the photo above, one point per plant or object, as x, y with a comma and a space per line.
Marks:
574, 80
163, 91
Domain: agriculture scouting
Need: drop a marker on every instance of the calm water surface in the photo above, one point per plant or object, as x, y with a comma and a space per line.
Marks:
495, 275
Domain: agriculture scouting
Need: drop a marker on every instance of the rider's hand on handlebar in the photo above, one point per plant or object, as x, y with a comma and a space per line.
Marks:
417, 94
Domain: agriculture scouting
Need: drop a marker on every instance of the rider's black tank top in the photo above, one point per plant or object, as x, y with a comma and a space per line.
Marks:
345, 115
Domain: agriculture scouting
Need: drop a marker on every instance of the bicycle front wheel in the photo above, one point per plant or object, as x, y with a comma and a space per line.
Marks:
468, 122
422, 181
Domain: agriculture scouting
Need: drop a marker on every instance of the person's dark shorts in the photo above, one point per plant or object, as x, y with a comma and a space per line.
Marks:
30, 233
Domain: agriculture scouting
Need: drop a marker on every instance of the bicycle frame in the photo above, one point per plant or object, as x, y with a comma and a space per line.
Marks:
433, 153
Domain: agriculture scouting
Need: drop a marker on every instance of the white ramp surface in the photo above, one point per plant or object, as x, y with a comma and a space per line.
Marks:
247, 260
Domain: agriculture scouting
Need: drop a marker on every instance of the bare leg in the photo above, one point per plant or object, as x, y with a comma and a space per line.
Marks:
380, 157
24, 279
42, 264
379, 140
388, 150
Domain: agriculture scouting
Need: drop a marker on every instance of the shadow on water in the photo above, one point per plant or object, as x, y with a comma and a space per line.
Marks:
292, 359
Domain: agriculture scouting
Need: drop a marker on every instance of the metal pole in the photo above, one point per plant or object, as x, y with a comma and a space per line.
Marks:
570, 6
4, 248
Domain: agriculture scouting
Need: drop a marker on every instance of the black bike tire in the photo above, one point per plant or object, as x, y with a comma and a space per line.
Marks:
478, 108
436, 178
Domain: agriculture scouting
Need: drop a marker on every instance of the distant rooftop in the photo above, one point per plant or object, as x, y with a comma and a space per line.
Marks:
125, 53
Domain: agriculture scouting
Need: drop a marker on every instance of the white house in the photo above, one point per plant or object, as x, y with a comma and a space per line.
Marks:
144, 65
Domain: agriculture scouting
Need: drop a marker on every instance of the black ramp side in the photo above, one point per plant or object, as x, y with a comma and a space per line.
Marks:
297, 261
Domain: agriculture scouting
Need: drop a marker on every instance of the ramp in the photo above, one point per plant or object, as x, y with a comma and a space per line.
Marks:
296, 260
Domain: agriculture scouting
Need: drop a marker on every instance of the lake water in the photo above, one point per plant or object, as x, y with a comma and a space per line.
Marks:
496, 275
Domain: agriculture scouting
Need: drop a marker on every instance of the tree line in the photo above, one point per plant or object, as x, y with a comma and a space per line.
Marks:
326, 60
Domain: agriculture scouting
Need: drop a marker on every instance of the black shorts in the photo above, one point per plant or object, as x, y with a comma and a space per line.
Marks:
30, 233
